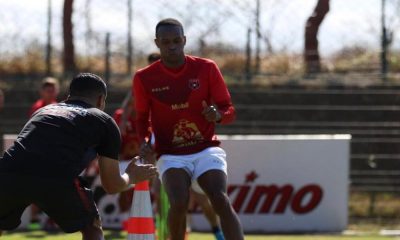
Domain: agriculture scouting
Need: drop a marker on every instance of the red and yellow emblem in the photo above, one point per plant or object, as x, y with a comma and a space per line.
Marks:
186, 134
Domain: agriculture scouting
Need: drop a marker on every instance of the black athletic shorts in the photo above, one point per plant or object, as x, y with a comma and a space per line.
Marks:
70, 205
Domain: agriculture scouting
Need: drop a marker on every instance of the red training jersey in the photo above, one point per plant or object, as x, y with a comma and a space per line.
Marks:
174, 102
130, 142
39, 104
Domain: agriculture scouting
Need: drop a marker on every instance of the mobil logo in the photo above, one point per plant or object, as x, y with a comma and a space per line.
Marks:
250, 198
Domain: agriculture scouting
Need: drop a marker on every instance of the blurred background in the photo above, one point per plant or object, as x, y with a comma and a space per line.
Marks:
293, 67
248, 38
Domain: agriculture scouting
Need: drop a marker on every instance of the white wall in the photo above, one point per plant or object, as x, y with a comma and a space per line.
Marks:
309, 174
312, 171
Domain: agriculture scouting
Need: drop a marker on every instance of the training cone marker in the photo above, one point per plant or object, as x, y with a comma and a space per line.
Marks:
140, 225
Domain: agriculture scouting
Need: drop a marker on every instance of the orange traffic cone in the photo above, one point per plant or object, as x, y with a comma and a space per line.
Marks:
140, 225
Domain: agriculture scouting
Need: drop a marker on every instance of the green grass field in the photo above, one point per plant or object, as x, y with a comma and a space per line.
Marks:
361, 230
40, 235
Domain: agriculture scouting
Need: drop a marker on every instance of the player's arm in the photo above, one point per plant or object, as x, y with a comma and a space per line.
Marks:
108, 150
114, 182
142, 108
222, 111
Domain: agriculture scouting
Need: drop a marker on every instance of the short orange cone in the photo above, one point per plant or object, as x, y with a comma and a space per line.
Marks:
140, 225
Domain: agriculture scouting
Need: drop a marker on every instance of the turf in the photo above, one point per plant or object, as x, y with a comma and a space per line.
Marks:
40, 235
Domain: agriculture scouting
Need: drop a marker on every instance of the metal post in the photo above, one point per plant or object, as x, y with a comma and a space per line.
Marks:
48, 45
247, 69
258, 38
88, 34
107, 71
129, 57
384, 42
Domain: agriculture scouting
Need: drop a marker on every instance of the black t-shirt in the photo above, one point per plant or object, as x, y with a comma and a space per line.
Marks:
60, 140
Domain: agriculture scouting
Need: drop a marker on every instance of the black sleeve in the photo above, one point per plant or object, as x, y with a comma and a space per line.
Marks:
110, 143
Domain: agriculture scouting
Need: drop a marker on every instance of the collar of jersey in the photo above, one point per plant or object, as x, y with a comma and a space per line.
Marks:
175, 74
79, 102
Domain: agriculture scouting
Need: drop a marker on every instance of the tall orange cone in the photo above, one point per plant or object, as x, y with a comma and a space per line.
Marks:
140, 225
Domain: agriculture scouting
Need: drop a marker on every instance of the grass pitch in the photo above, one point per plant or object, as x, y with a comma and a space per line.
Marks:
114, 235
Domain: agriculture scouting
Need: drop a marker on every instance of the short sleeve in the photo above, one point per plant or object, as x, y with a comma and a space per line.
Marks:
111, 141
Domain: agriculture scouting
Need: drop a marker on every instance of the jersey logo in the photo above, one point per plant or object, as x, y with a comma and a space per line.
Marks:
194, 83
179, 106
160, 89
69, 111
186, 134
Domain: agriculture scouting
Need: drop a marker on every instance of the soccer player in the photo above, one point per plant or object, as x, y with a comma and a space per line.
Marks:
49, 91
186, 97
53, 148
129, 145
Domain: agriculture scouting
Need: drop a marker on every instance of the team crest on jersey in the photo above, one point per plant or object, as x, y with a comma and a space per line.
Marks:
186, 133
194, 83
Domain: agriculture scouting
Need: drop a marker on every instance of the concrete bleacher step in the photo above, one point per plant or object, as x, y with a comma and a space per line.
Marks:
323, 96
370, 115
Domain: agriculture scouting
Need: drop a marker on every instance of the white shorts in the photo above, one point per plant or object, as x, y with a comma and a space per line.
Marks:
212, 158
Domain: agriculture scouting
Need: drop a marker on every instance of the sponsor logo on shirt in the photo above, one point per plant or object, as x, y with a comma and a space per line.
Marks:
160, 89
186, 134
69, 111
194, 83
180, 106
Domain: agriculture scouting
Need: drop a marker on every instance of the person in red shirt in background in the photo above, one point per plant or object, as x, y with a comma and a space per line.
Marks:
125, 119
185, 96
49, 91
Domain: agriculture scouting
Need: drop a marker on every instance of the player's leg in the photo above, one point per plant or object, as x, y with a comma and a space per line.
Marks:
201, 199
72, 207
213, 182
13, 201
155, 192
93, 231
211, 174
177, 183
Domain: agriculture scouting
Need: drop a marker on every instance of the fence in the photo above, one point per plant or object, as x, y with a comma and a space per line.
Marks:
350, 37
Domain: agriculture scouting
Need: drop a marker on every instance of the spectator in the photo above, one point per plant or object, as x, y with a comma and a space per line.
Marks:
49, 91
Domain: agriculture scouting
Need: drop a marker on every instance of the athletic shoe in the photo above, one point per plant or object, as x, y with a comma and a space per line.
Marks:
218, 234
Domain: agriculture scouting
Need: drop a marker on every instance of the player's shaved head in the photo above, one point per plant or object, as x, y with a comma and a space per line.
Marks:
87, 85
168, 22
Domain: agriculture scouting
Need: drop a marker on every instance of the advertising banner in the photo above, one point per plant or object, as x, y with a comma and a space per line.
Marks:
288, 183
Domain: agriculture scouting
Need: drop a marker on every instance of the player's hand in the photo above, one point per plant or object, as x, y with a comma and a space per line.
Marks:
210, 113
140, 172
147, 153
